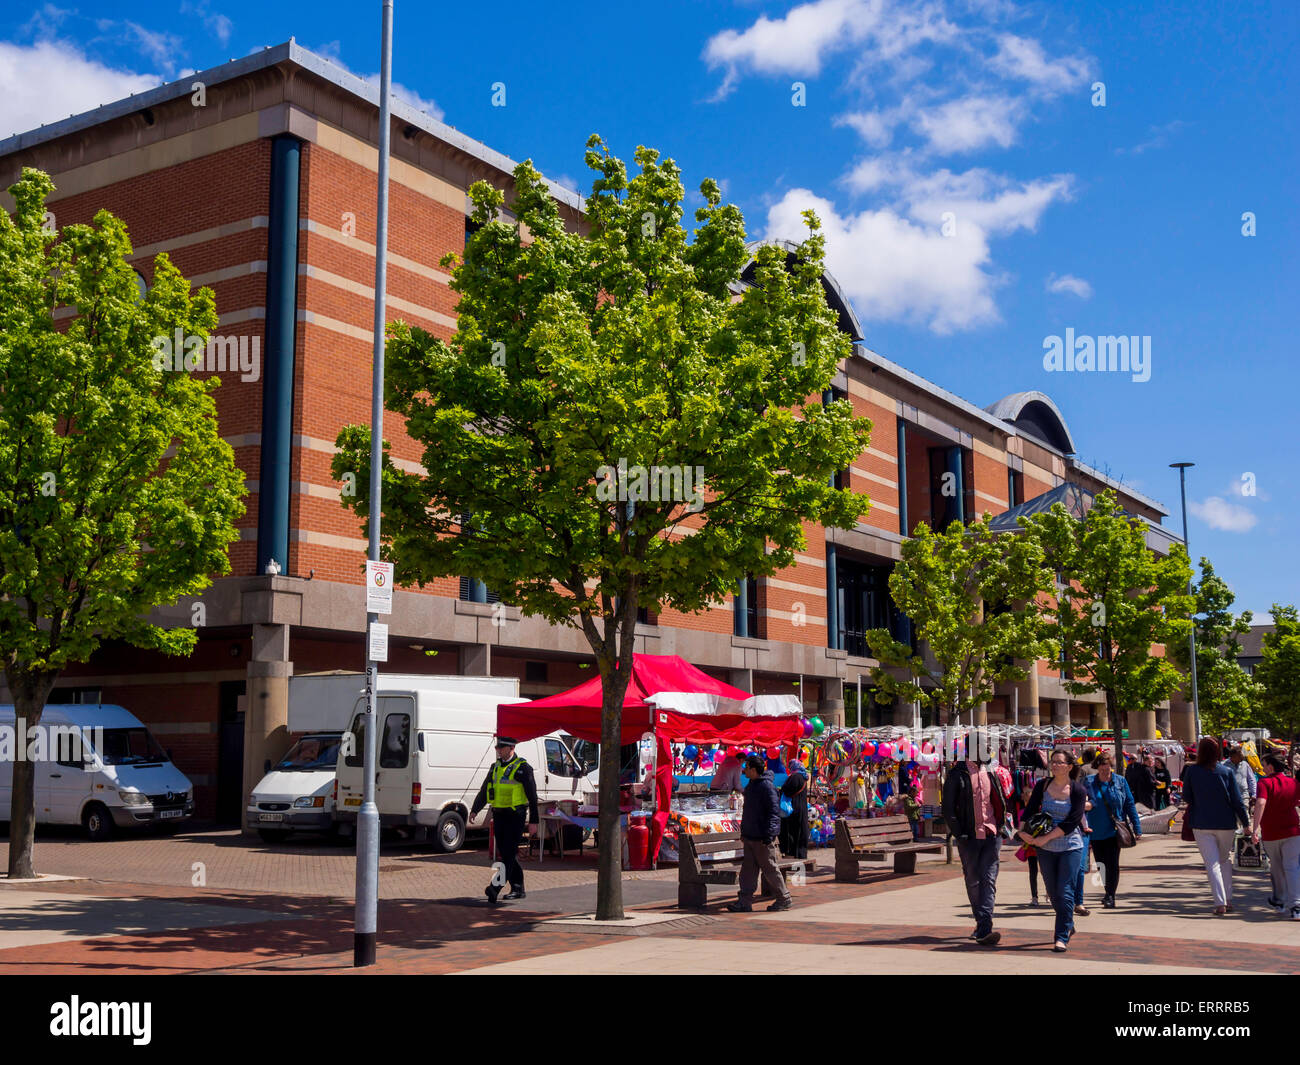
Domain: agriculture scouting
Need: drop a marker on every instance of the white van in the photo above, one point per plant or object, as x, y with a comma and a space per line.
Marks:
435, 747
297, 795
115, 776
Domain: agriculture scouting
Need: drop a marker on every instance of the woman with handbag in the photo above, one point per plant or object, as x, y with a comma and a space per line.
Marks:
1114, 821
1214, 809
1060, 849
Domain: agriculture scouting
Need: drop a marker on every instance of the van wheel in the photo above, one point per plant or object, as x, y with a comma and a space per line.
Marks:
273, 835
450, 835
97, 822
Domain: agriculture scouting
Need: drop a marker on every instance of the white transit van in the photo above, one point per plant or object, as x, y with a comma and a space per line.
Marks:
297, 795
96, 766
435, 748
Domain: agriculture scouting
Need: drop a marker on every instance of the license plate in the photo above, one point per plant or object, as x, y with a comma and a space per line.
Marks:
164, 814
272, 817
353, 800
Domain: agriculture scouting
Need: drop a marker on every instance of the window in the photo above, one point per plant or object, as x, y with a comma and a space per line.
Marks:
840, 479
395, 744
745, 607
129, 746
864, 603
535, 672
558, 761
1015, 488
472, 591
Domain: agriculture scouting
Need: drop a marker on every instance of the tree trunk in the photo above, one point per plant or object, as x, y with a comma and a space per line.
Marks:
1117, 720
615, 677
30, 690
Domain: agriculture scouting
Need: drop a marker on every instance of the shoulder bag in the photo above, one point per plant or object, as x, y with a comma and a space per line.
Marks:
1124, 833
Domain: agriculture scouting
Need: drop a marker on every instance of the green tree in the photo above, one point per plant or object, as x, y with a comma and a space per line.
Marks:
1278, 675
116, 492
1227, 695
1118, 599
613, 425
972, 597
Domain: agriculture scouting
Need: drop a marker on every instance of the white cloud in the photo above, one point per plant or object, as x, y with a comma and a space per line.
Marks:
50, 80
1023, 59
1158, 137
894, 261
1076, 286
164, 49
893, 268
800, 41
1220, 514
216, 24
970, 122
410, 97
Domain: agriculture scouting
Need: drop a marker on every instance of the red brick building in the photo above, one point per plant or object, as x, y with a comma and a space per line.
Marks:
261, 185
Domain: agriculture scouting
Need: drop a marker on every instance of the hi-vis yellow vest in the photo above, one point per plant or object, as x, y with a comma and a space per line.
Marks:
504, 792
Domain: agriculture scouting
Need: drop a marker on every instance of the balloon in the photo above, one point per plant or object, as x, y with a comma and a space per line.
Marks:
692, 752
869, 749
818, 725
733, 752
774, 752
807, 727
848, 745
885, 751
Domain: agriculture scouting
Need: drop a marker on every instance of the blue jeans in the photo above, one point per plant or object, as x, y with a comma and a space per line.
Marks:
1083, 868
1060, 871
979, 864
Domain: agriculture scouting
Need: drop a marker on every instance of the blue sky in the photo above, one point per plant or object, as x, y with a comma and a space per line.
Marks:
974, 117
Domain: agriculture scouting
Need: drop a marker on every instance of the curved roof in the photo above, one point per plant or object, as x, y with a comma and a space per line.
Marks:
835, 296
1037, 415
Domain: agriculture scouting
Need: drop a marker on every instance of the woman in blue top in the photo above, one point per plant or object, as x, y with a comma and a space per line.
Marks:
1214, 809
1060, 851
1112, 801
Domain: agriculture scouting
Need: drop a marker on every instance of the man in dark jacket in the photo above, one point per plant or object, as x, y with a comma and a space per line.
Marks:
760, 824
974, 810
1141, 779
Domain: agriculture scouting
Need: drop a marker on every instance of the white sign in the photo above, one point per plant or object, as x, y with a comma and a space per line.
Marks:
379, 587
378, 642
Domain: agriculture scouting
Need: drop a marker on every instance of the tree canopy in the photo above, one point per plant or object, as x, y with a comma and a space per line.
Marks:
117, 493
616, 422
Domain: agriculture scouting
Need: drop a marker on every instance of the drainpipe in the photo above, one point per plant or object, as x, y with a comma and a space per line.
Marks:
954, 467
281, 334
903, 529
832, 600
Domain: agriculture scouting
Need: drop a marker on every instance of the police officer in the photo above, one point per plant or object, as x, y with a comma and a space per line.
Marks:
510, 791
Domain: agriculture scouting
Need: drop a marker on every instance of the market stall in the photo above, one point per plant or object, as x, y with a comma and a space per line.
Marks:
668, 701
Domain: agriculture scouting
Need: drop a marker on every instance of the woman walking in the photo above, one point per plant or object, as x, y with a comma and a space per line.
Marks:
1111, 801
1277, 824
1059, 851
1214, 809
794, 827
1164, 783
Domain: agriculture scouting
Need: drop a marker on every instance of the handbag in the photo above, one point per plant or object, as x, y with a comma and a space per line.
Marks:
787, 807
1124, 834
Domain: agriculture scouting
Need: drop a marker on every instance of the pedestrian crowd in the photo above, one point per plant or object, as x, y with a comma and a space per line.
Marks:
1085, 810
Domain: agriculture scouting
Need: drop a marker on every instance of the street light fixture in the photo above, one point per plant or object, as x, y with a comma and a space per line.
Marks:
366, 921
1182, 468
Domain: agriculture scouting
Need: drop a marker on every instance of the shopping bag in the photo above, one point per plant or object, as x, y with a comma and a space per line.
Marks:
1248, 854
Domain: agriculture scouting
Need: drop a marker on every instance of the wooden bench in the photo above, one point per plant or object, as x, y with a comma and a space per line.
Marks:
877, 837
715, 858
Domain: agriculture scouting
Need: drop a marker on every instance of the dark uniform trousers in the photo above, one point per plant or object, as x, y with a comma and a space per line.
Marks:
508, 828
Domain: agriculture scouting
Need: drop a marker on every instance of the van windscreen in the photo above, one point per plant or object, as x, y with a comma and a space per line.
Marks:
129, 746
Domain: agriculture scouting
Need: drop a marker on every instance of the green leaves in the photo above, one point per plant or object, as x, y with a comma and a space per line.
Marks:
116, 492
620, 344
1104, 561
971, 595
1279, 673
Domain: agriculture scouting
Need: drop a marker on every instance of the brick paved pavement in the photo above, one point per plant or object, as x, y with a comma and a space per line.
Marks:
881, 923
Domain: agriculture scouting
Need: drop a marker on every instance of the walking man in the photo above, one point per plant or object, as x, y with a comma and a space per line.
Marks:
760, 825
511, 793
974, 811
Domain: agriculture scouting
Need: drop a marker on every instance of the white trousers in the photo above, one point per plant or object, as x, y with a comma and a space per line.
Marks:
1284, 867
1215, 846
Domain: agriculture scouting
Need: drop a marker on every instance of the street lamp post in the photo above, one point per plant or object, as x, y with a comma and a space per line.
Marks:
1182, 468
365, 929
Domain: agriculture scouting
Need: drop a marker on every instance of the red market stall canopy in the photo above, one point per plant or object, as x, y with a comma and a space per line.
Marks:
668, 696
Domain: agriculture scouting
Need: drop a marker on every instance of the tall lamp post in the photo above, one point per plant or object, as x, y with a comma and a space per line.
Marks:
1182, 468
366, 921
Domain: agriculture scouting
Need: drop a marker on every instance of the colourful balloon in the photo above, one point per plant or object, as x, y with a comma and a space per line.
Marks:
885, 751
819, 726
692, 752
774, 752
